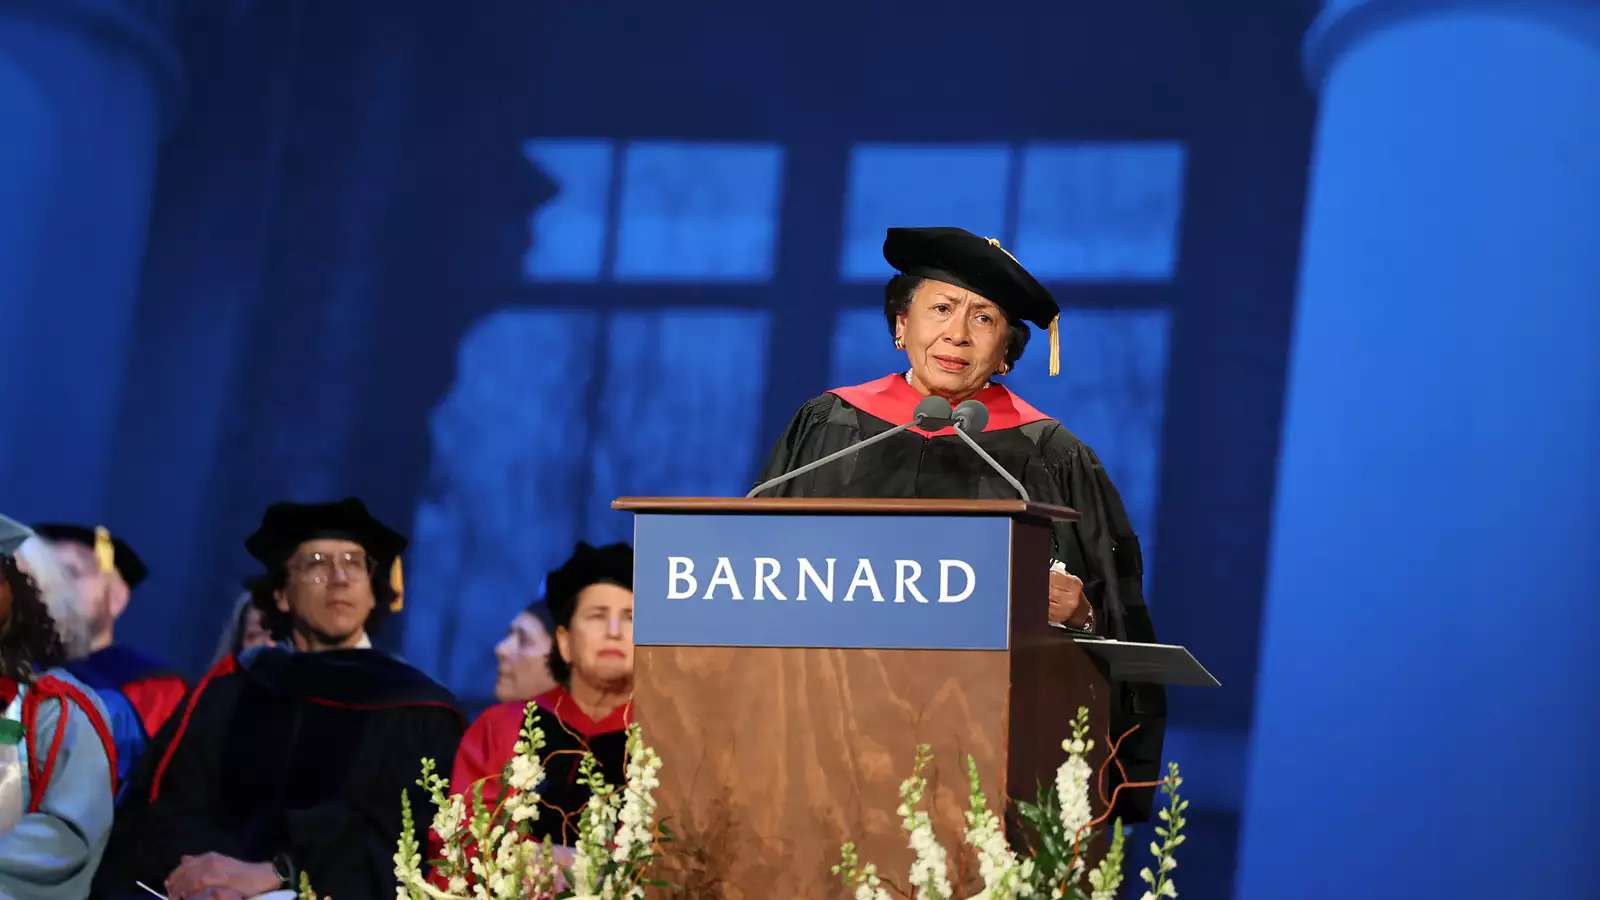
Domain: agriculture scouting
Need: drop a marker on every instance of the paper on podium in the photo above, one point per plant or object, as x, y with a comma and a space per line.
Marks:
1151, 663
281, 894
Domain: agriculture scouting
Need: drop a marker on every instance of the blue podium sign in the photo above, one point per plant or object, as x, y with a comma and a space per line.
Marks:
868, 581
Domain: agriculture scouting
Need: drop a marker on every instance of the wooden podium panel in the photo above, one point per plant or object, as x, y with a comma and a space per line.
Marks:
775, 756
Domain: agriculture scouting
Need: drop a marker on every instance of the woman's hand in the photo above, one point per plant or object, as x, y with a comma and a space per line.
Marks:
1066, 600
219, 874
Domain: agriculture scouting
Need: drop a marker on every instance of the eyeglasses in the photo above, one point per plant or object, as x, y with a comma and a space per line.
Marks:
318, 568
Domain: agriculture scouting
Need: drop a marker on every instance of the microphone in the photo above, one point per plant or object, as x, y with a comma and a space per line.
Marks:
972, 415
931, 414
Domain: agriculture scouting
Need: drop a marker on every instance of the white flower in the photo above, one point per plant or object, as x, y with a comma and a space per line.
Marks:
596, 827
447, 821
1072, 793
526, 773
1003, 876
928, 871
1072, 787
636, 819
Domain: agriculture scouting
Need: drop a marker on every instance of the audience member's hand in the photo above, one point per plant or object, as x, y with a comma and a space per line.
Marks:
215, 875
1066, 598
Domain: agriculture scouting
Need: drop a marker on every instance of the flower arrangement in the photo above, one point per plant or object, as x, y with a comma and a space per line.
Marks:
488, 853
1062, 826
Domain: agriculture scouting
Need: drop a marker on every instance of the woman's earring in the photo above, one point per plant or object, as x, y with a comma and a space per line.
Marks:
899, 343
1003, 369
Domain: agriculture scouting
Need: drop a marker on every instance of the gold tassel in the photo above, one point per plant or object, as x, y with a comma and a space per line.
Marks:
397, 581
105, 553
1055, 346
995, 243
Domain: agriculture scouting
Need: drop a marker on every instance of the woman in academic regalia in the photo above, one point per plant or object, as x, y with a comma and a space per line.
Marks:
522, 658
57, 758
959, 309
591, 602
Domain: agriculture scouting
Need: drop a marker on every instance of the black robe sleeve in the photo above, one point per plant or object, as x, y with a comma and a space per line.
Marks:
1102, 549
798, 444
147, 840
347, 844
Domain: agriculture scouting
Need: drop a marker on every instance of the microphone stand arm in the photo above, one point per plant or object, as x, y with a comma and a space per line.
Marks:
773, 482
962, 433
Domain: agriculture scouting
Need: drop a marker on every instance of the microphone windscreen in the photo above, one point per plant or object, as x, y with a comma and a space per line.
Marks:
971, 416
932, 413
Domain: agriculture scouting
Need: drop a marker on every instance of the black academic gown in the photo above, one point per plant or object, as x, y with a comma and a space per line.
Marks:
568, 735
1053, 464
303, 753
487, 747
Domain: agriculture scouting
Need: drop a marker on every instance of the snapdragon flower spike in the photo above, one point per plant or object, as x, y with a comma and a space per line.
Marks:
928, 875
998, 866
862, 880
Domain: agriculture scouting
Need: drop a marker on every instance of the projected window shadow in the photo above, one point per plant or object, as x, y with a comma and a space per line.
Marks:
695, 212
553, 413
618, 377
1104, 211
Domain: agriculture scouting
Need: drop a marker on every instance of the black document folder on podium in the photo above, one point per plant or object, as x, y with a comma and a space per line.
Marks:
1149, 663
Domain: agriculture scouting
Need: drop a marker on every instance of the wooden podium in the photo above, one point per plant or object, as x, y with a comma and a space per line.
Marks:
774, 755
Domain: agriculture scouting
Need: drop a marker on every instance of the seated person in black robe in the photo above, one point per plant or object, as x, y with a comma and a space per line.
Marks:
591, 601
958, 310
291, 759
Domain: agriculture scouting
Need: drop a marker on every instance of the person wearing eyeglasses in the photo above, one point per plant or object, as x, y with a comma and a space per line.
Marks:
291, 758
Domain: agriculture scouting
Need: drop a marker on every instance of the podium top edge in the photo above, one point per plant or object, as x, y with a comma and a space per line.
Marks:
907, 506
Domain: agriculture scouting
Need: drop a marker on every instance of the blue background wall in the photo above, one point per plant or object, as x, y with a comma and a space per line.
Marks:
1426, 709
490, 265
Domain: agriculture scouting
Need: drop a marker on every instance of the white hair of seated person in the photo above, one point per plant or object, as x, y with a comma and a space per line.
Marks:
230, 629
59, 593
233, 635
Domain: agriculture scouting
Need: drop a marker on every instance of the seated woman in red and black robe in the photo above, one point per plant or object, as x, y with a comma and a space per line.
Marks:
591, 601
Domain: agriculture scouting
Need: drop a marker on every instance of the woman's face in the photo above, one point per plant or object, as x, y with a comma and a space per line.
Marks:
522, 660
599, 642
954, 340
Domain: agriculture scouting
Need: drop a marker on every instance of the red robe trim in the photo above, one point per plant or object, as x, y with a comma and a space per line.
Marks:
489, 742
224, 667
560, 704
155, 699
486, 747
891, 399
228, 666
42, 766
